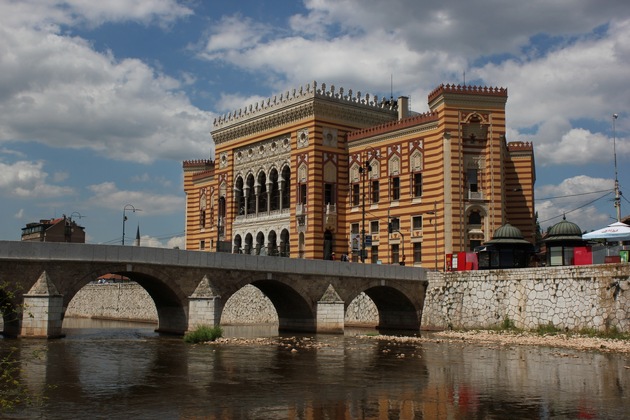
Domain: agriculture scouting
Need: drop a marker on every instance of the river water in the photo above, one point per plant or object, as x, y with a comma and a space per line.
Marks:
111, 370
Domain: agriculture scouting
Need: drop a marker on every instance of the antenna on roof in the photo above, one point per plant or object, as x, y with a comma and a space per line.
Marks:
464, 77
391, 86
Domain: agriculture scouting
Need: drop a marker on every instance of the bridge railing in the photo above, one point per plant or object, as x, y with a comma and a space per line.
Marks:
18, 250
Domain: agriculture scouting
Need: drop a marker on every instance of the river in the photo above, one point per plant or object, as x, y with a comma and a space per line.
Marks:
120, 370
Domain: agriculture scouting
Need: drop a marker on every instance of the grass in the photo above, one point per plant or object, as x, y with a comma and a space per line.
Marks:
549, 329
203, 333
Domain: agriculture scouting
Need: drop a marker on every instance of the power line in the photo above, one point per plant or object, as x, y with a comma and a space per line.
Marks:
577, 208
571, 195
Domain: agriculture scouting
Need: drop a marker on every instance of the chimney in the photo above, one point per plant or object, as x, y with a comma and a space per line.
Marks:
403, 107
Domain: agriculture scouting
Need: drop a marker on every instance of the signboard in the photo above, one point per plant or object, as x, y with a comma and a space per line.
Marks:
356, 241
368, 241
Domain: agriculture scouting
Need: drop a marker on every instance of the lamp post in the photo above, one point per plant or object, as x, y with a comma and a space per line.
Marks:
127, 207
617, 193
365, 170
434, 213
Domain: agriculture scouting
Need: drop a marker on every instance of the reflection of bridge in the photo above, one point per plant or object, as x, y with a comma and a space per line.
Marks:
189, 288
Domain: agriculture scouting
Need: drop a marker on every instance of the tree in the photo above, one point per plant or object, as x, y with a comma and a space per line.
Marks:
13, 391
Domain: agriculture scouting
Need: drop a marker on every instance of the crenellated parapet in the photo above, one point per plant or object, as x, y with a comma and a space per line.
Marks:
393, 125
198, 163
467, 90
518, 146
310, 90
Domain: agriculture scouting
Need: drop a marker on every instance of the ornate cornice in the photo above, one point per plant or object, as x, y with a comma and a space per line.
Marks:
308, 102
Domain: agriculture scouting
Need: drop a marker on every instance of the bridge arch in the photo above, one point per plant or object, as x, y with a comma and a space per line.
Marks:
398, 309
170, 301
293, 305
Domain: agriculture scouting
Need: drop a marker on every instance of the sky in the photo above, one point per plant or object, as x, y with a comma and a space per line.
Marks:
101, 102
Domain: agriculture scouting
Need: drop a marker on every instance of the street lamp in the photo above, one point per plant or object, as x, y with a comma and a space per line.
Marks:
127, 207
434, 213
617, 192
364, 171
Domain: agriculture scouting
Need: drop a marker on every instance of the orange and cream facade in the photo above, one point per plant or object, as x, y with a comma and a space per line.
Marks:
320, 173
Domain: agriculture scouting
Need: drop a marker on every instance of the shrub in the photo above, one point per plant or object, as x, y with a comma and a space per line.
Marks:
548, 329
203, 333
508, 324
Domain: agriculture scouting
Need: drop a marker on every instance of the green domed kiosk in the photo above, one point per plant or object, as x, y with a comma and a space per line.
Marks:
506, 249
561, 241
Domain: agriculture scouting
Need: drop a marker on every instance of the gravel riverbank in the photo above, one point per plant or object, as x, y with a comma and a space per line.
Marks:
475, 337
509, 338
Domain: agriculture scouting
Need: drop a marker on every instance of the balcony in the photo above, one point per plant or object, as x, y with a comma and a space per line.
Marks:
330, 217
300, 209
475, 195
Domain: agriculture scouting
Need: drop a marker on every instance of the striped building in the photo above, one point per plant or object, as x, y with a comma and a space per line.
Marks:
320, 172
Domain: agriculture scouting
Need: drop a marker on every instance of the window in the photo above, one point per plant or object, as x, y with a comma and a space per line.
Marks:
329, 193
474, 244
416, 222
374, 254
472, 180
202, 218
474, 218
355, 194
396, 188
302, 193
375, 191
202, 244
354, 228
394, 224
374, 227
417, 252
395, 254
417, 184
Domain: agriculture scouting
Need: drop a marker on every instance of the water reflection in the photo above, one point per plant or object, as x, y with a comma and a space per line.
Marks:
114, 370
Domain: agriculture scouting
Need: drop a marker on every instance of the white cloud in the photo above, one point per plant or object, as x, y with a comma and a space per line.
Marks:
107, 195
55, 89
577, 199
41, 14
149, 241
29, 180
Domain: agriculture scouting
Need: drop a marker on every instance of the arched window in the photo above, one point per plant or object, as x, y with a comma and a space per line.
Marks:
250, 192
474, 218
239, 196
275, 190
262, 194
286, 187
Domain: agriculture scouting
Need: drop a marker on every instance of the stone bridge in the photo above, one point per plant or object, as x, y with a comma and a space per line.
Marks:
39, 279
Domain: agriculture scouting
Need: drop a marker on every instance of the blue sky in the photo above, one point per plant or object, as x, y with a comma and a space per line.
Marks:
100, 102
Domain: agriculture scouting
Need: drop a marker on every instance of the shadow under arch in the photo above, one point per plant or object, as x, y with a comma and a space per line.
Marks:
294, 312
9, 319
395, 310
172, 309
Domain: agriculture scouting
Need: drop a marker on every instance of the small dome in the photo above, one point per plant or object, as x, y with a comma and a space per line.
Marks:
507, 231
565, 228
507, 234
563, 231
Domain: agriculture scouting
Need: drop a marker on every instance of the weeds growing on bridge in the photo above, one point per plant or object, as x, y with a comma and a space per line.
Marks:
203, 333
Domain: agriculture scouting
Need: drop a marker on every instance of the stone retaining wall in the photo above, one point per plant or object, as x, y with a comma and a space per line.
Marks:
573, 298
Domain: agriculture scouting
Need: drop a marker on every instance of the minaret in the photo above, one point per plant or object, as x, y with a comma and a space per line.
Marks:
138, 236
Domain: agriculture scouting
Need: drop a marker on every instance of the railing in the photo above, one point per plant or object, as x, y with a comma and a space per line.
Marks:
475, 195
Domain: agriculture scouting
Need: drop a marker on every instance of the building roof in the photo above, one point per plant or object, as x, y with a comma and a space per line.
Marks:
564, 231
507, 234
